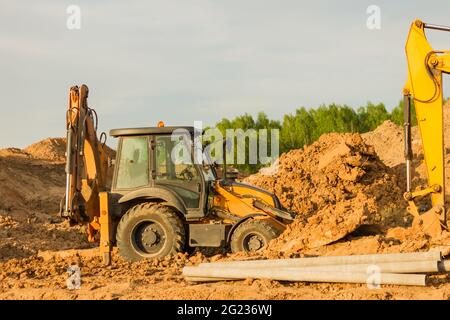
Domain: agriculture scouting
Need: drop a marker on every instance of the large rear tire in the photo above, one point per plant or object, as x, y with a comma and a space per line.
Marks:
150, 230
252, 235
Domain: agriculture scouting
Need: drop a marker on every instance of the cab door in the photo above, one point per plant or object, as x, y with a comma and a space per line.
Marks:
132, 167
174, 169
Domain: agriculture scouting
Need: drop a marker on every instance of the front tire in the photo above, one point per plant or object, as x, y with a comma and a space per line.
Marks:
252, 235
150, 230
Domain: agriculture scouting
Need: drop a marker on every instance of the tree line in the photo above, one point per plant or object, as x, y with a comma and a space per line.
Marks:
305, 126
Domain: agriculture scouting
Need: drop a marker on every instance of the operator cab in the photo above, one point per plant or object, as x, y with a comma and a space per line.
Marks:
158, 163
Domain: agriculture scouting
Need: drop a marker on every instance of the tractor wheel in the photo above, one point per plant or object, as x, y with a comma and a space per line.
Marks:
149, 230
252, 235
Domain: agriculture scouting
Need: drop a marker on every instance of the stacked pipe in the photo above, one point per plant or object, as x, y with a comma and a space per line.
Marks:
376, 269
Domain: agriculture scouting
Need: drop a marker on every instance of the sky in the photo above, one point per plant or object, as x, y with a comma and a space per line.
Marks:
182, 61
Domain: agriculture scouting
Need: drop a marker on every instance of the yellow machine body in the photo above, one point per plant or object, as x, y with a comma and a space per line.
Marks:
424, 86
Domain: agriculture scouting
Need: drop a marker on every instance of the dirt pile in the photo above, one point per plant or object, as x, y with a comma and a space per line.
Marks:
393, 240
32, 184
53, 149
387, 140
31, 191
334, 185
14, 153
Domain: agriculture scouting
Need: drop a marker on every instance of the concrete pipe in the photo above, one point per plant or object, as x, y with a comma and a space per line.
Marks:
394, 267
332, 260
386, 267
444, 266
290, 274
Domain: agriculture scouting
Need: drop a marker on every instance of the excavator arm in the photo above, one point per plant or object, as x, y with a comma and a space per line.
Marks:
424, 87
86, 165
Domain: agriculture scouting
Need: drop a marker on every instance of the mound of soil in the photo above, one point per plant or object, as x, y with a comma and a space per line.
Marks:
31, 191
387, 140
32, 184
53, 149
13, 152
334, 185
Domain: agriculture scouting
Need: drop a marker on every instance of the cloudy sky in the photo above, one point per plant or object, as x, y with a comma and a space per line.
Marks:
186, 60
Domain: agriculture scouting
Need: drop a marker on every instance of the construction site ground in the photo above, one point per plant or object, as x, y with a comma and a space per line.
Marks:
36, 278
345, 188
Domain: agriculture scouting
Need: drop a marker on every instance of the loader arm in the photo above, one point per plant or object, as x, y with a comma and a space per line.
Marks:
86, 165
424, 87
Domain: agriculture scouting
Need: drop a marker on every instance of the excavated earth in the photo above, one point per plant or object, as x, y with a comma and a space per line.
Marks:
335, 186
346, 191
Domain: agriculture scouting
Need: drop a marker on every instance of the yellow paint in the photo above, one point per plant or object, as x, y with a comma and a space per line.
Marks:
105, 224
238, 200
425, 68
89, 169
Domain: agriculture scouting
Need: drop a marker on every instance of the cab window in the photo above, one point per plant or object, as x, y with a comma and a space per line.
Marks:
133, 171
173, 160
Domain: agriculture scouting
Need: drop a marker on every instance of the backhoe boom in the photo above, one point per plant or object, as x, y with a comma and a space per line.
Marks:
87, 163
424, 87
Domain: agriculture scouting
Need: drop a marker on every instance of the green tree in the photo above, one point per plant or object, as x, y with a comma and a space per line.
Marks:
297, 130
246, 122
306, 125
371, 116
397, 114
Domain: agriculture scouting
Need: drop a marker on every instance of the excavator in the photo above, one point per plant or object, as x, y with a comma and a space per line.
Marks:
155, 206
424, 90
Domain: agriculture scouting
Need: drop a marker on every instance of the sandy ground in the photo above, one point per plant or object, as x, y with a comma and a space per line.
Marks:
39, 278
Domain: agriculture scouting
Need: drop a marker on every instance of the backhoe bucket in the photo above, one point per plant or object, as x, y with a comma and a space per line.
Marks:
429, 222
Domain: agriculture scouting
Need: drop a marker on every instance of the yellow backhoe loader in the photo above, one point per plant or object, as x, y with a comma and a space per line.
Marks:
424, 87
155, 206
